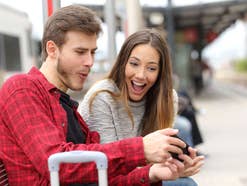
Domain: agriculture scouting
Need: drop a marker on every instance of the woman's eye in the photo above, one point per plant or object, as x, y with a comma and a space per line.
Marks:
152, 68
133, 63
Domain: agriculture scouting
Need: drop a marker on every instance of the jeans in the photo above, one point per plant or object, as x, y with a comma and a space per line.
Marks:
180, 182
184, 127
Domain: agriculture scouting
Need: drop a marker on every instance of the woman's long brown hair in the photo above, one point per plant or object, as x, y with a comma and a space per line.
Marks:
159, 109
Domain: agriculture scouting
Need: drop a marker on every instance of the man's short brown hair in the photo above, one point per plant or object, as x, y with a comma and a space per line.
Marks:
73, 17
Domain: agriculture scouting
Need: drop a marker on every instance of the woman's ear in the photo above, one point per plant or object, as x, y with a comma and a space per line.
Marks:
51, 49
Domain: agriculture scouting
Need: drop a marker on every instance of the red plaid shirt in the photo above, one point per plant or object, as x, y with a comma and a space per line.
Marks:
33, 126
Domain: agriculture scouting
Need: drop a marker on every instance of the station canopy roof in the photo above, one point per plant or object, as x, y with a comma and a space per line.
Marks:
209, 15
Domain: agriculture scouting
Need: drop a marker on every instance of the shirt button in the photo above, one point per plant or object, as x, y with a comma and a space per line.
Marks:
142, 180
63, 124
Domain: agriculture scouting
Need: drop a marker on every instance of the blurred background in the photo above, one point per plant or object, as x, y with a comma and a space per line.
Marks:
208, 42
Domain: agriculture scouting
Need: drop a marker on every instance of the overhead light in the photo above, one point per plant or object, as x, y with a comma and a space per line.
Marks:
156, 18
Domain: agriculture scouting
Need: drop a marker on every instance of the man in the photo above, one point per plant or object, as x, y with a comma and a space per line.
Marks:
38, 118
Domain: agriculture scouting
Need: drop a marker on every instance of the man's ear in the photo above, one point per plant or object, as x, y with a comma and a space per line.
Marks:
52, 49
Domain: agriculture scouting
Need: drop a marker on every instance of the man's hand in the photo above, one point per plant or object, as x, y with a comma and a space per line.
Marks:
159, 144
170, 170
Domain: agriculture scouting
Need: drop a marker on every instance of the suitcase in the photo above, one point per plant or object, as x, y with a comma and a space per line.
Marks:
3, 175
77, 157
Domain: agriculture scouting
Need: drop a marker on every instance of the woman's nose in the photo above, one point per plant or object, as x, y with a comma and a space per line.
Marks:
141, 73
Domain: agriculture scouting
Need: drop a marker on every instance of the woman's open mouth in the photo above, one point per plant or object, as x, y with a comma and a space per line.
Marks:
138, 87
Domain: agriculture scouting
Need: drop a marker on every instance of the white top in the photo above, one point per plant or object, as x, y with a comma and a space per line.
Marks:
109, 116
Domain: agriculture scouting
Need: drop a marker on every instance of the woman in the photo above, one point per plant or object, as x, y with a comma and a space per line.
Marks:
137, 96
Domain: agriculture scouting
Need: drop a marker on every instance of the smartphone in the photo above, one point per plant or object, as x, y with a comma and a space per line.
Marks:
185, 150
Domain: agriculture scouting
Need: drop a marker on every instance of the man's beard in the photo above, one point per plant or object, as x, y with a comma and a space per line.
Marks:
65, 76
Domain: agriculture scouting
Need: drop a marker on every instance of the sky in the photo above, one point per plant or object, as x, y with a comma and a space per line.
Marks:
229, 46
232, 43
148, 2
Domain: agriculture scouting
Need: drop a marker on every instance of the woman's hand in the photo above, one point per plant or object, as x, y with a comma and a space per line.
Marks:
170, 170
192, 163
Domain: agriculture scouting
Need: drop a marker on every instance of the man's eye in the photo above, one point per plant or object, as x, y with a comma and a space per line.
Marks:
80, 52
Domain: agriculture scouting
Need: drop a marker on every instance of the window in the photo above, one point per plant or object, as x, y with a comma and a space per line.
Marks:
10, 59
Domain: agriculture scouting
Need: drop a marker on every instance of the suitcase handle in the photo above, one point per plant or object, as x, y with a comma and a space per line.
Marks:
75, 157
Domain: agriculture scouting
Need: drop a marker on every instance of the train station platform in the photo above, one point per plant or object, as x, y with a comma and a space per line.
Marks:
224, 128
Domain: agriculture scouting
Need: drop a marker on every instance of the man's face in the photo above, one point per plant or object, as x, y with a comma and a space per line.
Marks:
76, 57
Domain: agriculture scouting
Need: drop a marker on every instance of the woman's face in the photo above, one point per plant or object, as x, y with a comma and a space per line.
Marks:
141, 71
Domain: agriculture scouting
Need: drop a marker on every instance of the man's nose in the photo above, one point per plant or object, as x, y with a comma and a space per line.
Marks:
89, 60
